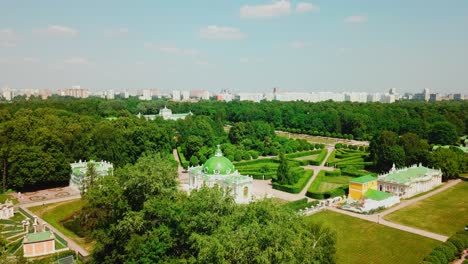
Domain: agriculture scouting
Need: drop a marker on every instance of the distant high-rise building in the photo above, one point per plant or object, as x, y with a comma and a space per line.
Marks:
7, 93
75, 91
176, 96
185, 95
109, 94
276, 90
146, 95
457, 96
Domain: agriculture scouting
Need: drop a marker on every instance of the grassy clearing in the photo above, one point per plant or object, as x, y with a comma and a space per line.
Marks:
310, 157
56, 213
360, 241
444, 213
5, 196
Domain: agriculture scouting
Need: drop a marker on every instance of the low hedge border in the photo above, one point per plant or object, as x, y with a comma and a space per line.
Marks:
183, 162
318, 161
298, 186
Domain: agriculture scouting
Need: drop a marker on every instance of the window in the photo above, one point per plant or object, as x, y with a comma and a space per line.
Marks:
380, 187
387, 188
246, 192
402, 189
216, 171
394, 188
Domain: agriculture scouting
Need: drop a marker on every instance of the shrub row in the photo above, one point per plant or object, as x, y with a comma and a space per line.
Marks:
320, 158
449, 250
183, 162
253, 162
302, 154
334, 173
298, 186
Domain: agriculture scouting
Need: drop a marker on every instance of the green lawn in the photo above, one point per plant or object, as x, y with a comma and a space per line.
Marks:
55, 213
310, 157
444, 213
360, 241
4, 197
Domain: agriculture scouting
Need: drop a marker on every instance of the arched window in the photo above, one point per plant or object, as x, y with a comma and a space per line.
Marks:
216, 171
246, 192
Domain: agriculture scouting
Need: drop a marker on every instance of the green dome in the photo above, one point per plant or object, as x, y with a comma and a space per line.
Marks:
218, 164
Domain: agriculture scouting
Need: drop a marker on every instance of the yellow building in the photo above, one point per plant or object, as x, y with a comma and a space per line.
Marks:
359, 186
364, 196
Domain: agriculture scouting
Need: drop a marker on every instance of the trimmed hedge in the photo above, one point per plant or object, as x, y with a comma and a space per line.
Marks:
334, 173
298, 186
183, 162
449, 250
318, 161
302, 154
313, 191
253, 162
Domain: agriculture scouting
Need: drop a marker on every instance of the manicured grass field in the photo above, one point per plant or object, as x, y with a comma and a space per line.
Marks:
444, 213
55, 213
360, 241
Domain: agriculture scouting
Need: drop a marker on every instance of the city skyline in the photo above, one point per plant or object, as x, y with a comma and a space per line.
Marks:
299, 46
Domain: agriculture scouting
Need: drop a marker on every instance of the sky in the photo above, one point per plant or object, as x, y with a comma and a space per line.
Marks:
243, 46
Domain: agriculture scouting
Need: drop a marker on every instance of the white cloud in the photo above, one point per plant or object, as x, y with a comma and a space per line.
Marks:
216, 32
30, 59
344, 50
57, 30
356, 19
76, 61
172, 49
118, 32
304, 7
276, 8
298, 44
246, 60
202, 63
7, 38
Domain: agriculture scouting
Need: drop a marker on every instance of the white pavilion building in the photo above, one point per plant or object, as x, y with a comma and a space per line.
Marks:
219, 171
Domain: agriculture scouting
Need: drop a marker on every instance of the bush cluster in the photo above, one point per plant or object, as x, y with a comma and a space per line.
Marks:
449, 250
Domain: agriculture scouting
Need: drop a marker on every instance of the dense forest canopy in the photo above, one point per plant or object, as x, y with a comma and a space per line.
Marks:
39, 138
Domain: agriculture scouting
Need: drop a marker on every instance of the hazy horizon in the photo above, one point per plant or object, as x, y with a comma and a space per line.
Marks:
243, 46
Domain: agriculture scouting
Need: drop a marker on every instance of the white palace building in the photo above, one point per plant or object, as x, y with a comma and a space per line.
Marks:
407, 182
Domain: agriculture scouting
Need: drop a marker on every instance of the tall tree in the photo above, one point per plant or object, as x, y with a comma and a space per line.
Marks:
443, 133
283, 173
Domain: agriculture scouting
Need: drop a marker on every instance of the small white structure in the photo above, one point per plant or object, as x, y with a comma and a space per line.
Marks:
219, 171
79, 169
166, 114
6, 210
407, 182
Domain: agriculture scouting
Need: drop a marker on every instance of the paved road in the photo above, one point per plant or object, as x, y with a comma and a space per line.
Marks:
71, 244
264, 188
378, 218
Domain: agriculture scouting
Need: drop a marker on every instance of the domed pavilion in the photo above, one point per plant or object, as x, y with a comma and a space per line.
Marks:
219, 171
